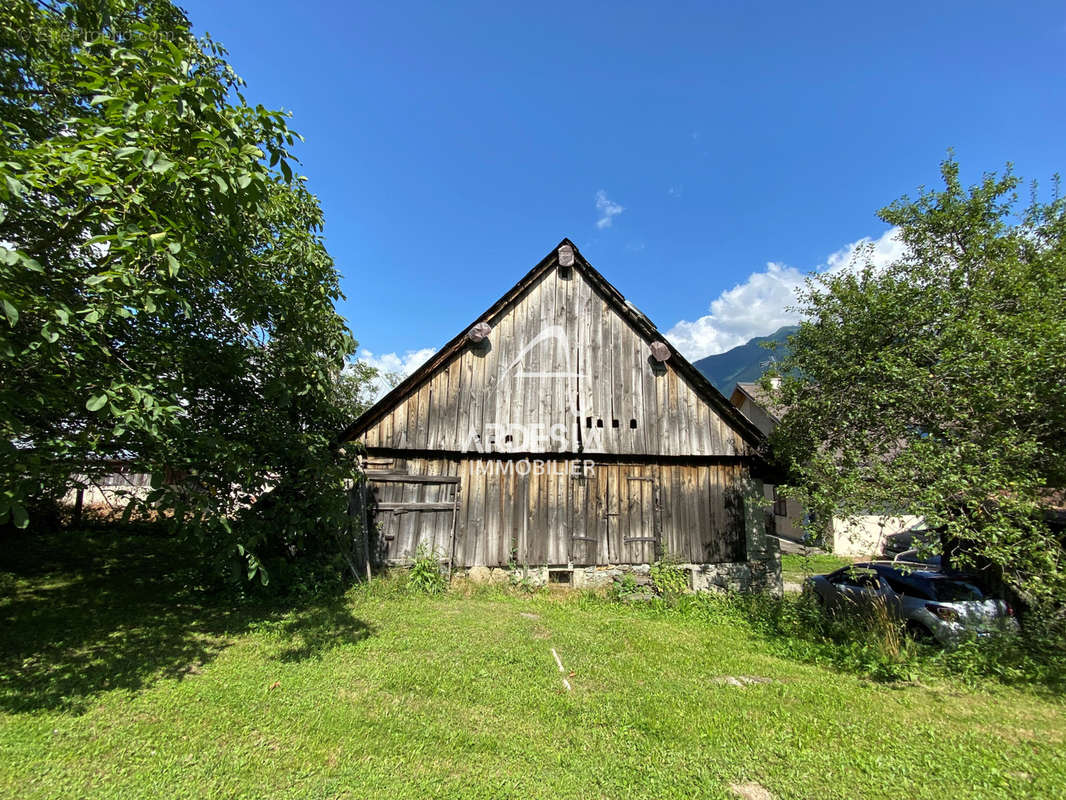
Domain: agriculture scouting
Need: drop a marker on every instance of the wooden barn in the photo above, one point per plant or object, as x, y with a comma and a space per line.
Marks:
561, 436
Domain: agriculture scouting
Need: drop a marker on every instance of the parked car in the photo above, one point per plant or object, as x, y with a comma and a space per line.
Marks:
934, 606
911, 557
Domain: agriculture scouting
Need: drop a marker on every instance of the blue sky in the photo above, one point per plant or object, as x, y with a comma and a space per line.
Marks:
736, 145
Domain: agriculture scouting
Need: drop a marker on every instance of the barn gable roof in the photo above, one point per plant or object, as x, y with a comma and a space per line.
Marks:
615, 299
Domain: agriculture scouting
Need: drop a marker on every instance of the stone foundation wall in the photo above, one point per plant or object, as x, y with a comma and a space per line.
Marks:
763, 575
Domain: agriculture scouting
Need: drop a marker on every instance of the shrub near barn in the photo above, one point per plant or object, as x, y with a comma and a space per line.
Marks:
158, 255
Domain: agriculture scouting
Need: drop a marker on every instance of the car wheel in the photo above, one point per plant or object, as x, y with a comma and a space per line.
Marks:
919, 633
814, 595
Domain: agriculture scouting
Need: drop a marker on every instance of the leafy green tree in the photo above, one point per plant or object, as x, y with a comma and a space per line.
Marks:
937, 386
165, 294
356, 387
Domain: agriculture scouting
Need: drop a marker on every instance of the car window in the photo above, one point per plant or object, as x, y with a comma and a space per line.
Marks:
947, 591
895, 584
855, 577
911, 584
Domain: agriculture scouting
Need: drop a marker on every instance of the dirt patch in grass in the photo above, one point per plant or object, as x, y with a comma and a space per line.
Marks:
751, 791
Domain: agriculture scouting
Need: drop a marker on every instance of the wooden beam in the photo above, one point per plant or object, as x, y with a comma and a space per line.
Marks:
415, 506
396, 477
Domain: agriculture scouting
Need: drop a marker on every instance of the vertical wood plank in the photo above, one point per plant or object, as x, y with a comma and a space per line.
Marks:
521, 518
505, 376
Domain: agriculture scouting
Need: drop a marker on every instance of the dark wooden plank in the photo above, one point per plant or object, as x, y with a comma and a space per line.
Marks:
425, 410
520, 520
677, 543
397, 477
433, 417
538, 520
703, 496
506, 502
680, 510
476, 542
411, 523
620, 367
585, 525
614, 501
558, 545
563, 497
599, 510
505, 345
416, 505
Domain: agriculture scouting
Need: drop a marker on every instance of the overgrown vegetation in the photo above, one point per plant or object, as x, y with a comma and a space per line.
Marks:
165, 295
870, 642
934, 387
115, 681
425, 576
626, 588
668, 577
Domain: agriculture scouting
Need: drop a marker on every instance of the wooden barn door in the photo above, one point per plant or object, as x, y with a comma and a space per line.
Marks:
637, 518
588, 522
409, 510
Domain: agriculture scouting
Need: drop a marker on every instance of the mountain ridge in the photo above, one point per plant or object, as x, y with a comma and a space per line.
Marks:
745, 362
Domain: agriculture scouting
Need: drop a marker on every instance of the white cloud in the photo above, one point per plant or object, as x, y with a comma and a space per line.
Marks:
760, 305
878, 253
393, 364
608, 210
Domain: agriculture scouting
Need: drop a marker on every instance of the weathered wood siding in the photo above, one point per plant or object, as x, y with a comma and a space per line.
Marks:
618, 514
616, 400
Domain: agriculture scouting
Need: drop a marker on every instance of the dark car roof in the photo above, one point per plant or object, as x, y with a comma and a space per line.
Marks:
895, 570
919, 581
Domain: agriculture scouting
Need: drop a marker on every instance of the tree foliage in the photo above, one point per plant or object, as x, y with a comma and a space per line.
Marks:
165, 292
935, 386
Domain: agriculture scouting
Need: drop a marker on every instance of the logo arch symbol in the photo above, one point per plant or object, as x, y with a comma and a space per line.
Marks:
555, 333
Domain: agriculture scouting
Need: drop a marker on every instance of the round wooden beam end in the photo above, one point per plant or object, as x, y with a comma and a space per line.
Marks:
479, 332
660, 351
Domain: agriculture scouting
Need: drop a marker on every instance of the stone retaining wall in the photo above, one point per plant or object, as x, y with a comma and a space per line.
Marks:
763, 575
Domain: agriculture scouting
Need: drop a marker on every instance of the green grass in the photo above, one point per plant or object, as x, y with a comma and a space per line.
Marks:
114, 683
796, 567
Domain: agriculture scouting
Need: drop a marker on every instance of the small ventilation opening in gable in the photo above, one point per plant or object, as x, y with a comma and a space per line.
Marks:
633, 424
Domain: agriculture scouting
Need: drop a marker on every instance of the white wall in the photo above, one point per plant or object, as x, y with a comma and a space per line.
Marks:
866, 535
789, 526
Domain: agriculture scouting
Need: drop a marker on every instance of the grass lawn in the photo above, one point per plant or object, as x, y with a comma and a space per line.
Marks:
115, 684
795, 567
